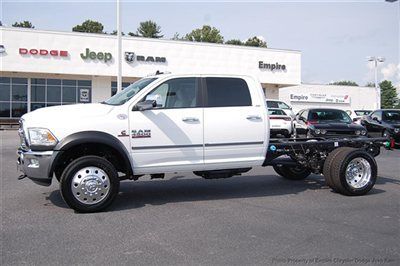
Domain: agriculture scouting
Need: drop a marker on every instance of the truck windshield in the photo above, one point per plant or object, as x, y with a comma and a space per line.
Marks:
125, 95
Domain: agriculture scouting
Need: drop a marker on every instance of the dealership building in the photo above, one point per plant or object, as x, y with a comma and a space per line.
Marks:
47, 68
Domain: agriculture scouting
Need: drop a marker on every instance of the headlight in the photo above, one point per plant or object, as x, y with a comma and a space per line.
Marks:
396, 130
317, 131
323, 131
358, 132
41, 137
363, 132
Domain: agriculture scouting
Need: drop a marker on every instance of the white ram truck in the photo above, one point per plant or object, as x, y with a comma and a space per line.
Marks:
214, 125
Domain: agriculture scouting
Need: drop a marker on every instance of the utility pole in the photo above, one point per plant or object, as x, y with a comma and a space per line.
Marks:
377, 59
119, 49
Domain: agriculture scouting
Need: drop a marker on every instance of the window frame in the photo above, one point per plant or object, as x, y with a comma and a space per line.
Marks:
205, 93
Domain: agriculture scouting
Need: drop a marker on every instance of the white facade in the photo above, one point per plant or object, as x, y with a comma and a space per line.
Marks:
34, 53
329, 96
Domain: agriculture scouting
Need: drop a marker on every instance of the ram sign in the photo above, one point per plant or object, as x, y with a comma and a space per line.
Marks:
319, 98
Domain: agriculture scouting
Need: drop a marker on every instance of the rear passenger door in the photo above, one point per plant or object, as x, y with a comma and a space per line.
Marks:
235, 123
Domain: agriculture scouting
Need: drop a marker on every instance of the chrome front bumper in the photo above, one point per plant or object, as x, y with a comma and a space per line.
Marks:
36, 165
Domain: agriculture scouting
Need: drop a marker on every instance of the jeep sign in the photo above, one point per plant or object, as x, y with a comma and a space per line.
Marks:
101, 56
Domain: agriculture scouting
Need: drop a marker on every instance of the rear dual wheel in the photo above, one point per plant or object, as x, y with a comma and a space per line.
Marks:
350, 171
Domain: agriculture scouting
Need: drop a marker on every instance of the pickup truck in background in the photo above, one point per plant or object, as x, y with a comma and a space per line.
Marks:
216, 126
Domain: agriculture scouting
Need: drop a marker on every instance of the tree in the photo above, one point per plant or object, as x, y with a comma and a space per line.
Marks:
234, 42
205, 34
149, 29
344, 83
388, 94
115, 33
370, 84
23, 24
133, 34
90, 26
177, 37
256, 42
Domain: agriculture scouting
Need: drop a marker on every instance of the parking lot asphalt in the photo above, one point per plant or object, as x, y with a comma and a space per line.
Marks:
254, 219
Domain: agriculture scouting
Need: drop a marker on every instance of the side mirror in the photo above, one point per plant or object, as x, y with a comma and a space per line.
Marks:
355, 119
146, 105
375, 119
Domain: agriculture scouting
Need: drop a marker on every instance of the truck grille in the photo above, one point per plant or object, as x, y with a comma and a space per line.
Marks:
22, 138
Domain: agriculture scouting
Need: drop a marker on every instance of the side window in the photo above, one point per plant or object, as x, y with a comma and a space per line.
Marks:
282, 105
377, 115
175, 93
272, 104
224, 92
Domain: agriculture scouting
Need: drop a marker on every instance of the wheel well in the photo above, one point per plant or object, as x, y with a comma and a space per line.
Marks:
98, 149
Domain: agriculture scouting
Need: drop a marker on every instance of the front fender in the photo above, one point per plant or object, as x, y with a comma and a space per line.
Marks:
92, 137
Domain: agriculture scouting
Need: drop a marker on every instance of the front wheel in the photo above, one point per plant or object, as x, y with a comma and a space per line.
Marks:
89, 184
292, 172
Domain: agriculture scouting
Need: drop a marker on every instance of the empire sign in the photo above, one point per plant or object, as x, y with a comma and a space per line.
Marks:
271, 66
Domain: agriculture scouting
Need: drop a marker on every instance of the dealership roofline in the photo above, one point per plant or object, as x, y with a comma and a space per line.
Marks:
99, 35
330, 85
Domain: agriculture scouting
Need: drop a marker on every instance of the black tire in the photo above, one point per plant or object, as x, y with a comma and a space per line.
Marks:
328, 165
338, 172
292, 172
90, 162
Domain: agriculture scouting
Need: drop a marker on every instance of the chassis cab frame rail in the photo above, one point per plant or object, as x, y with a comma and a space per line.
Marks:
311, 153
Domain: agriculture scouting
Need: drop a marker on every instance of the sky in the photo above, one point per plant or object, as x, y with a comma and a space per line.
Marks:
334, 37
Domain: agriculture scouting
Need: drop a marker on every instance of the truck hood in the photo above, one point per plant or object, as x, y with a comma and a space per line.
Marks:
67, 112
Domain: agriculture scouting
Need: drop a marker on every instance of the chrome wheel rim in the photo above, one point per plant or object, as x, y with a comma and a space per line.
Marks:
90, 185
358, 173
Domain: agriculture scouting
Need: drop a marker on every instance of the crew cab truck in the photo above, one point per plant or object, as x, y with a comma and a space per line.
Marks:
214, 125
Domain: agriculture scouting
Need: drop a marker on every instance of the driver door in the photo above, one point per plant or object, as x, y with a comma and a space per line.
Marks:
169, 137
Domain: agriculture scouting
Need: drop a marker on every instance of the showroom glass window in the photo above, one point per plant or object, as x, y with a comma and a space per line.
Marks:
18, 95
13, 97
114, 87
227, 92
51, 92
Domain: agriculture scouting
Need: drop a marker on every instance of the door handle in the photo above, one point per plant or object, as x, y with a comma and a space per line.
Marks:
190, 119
253, 117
